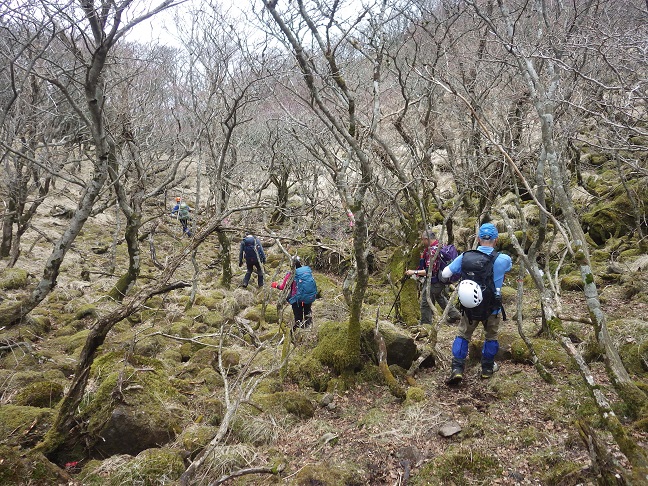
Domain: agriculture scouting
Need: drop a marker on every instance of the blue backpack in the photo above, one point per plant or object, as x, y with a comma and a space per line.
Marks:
250, 249
306, 286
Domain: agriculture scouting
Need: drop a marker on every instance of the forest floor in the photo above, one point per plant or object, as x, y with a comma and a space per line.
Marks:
516, 429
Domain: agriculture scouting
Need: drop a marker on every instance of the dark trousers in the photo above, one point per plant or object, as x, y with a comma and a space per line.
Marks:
303, 314
250, 269
185, 226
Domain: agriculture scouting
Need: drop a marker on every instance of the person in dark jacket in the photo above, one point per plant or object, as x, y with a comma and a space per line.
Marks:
252, 251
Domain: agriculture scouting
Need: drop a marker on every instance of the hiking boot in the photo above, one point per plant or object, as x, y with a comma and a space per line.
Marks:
453, 319
455, 377
487, 370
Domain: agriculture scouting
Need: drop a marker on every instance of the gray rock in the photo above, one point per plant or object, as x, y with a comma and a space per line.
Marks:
449, 429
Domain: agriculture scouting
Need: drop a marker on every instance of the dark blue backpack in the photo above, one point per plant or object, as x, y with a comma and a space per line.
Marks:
306, 286
249, 248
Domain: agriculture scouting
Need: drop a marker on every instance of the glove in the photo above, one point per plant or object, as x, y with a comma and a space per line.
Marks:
240, 264
274, 285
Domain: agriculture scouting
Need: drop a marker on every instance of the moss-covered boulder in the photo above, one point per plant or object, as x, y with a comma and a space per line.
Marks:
24, 426
13, 278
401, 348
134, 406
42, 394
22, 468
295, 403
254, 313
308, 372
551, 354
151, 467
472, 465
614, 213
632, 338
573, 281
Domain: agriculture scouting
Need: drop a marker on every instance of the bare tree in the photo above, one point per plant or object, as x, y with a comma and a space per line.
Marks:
89, 51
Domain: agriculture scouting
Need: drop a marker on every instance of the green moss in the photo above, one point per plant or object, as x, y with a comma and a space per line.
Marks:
558, 469
308, 372
43, 394
71, 344
573, 281
327, 474
414, 394
149, 467
293, 402
195, 437
24, 426
254, 313
13, 279
331, 349
26, 467
144, 386
472, 465
549, 352
373, 419
88, 310
211, 300
528, 436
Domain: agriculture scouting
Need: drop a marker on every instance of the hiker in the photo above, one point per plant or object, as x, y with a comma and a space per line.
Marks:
482, 275
252, 250
183, 212
437, 288
303, 292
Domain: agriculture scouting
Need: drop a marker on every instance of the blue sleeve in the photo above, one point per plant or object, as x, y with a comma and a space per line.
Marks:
241, 253
502, 264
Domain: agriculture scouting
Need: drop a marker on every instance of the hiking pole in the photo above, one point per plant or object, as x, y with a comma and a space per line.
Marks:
402, 282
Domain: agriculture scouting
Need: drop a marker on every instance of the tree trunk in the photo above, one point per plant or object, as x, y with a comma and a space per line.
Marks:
226, 258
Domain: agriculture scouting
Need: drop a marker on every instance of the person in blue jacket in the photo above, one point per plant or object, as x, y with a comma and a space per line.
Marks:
473, 296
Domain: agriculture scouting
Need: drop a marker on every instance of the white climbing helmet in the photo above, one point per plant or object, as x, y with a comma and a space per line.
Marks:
470, 294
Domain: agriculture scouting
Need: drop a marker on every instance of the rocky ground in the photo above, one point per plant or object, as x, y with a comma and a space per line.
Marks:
512, 429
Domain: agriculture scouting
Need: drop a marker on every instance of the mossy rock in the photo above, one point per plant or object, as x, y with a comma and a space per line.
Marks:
181, 328
149, 467
42, 394
414, 395
86, 311
71, 344
20, 468
254, 314
332, 336
573, 282
632, 338
13, 279
308, 372
613, 216
211, 378
328, 474
154, 411
549, 352
472, 465
505, 242
24, 426
197, 313
195, 437
293, 402
211, 300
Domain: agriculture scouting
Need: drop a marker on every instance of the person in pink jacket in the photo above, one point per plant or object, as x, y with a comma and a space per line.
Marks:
301, 310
